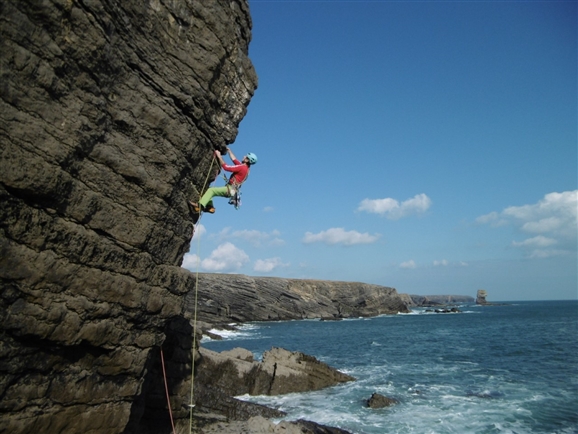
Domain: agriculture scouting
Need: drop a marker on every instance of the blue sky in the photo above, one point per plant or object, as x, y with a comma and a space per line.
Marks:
427, 146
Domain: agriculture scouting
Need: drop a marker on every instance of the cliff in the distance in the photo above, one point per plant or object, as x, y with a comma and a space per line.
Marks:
109, 114
223, 298
433, 300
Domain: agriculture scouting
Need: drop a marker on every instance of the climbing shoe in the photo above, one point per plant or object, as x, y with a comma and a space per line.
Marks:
194, 207
209, 209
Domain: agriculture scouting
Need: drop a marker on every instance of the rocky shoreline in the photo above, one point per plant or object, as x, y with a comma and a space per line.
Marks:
226, 298
220, 376
234, 372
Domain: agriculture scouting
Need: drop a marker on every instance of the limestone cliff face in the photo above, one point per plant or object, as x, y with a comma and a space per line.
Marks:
224, 298
109, 113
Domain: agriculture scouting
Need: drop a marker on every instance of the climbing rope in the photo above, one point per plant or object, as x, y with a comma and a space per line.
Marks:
191, 404
167, 390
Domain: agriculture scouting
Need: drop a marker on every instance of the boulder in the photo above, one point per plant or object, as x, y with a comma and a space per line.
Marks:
297, 372
379, 401
279, 372
259, 425
239, 353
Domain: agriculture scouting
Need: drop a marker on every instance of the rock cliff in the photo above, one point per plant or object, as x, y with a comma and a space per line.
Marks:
223, 298
109, 113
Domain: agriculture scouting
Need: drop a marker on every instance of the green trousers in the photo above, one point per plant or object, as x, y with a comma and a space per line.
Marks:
207, 199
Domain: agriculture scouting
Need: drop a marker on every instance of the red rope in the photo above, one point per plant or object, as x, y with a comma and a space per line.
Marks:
167, 391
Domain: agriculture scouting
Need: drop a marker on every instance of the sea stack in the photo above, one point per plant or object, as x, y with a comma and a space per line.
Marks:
481, 297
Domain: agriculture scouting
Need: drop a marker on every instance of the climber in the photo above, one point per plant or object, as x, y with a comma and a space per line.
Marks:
240, 172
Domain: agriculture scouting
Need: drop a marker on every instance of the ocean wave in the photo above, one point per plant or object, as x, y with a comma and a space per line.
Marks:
243, 331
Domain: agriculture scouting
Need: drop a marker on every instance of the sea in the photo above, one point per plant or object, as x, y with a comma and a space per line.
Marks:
506, 368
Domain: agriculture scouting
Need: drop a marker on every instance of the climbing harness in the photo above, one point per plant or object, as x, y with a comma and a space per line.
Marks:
235, 199
234, 189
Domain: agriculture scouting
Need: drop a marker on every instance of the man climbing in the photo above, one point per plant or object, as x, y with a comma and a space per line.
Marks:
240, 172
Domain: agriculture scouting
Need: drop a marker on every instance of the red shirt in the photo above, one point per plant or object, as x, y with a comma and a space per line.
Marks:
240, 172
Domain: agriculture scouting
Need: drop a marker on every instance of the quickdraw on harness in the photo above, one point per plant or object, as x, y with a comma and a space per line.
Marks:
234, 190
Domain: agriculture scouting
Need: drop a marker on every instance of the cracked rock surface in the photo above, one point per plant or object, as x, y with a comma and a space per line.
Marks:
109, 113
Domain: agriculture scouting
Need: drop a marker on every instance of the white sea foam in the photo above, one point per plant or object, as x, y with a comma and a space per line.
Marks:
244, 331
493, 372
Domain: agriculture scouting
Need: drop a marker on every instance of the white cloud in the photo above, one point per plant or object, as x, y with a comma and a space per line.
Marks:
493, 219
226, 257
555, 213
190, 262
446, 263
224, 233
268, 209
199, 230
340, 236
539, 241
392, 209
554, 218
408, 264
268, 265
254, 237
546, 253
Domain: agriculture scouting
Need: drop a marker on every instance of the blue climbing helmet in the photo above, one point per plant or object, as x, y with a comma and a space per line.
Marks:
251, 157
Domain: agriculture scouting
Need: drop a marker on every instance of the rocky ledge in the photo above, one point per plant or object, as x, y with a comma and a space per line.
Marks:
220, 375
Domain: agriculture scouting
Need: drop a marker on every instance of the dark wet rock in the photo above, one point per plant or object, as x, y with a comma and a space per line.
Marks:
212, 404
308, 427
379, 401
452, 310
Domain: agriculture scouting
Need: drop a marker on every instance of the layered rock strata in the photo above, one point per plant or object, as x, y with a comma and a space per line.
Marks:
260, 425
109, 114
224, 298
279, 372
219, 375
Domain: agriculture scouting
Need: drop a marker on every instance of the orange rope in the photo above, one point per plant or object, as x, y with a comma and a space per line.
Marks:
167, 391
